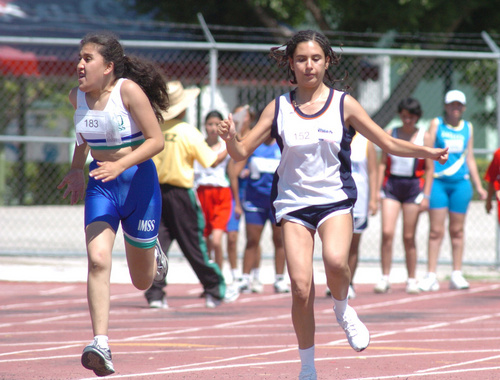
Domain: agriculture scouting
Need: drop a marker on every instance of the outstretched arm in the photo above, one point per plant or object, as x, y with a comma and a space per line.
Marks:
357, 117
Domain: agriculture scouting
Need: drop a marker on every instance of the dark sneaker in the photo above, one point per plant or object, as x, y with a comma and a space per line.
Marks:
161, 262
98, 360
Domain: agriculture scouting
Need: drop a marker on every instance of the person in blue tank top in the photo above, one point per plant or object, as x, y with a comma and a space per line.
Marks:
451, 188
257, 206
313, 189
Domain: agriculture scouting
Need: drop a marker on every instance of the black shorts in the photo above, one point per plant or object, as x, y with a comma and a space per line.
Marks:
403, 189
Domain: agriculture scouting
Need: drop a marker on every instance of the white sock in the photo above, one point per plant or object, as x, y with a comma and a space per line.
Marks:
101, 341
255, 273
236, 274
307, 357
339, 307
431, 275
456, 273
246, 278
279, 277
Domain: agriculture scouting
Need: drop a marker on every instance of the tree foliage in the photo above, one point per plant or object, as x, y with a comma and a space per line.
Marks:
465, 16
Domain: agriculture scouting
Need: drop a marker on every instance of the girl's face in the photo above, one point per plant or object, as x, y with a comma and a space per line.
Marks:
454, 110
409, 119
309, 63
211, 126
91, 68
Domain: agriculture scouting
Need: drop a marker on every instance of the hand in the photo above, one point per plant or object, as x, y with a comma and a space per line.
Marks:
226, 129
75, 183
497, 193
483, 194
441, 155
107, 171
488, 205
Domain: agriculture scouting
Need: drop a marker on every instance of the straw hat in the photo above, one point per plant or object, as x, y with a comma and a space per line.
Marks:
179, 98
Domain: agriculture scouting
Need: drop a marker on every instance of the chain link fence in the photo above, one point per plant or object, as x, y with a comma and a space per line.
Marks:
37, 137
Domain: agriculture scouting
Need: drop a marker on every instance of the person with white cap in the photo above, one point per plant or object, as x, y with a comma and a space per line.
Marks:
451, 188
181, 214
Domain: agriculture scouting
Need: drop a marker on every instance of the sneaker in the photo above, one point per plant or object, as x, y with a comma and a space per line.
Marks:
429, 283
211, 302
412, 286
97, 359
257, 286
281, 286
357, 334
307, 373
232, 293
328, 292
351, 294
158, 304
161, 263
243, 285
458, 282
382, 286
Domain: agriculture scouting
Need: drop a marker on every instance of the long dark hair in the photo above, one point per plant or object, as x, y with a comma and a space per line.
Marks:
282, 55
142, 72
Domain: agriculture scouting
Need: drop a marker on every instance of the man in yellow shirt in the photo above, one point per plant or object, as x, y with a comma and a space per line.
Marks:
182, 217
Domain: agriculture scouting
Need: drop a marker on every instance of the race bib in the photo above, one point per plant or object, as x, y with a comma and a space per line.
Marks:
302, 134
454, 146
98, 123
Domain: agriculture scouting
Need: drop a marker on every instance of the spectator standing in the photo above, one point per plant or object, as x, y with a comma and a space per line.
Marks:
181, 215
404, 188
451, 189
214, 193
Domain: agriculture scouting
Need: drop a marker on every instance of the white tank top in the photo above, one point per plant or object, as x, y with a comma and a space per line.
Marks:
359, 163
212, 176
112, 128
405, 166
315, 166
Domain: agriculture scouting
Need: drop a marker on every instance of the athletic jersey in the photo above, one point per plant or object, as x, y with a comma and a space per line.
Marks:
262, 165
456, 139
315, 167
359, 162
492, 175
183, 144
112, 128
406, 166
212, 176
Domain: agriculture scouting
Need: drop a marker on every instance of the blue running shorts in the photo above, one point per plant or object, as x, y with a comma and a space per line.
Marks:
133, 199
453, 195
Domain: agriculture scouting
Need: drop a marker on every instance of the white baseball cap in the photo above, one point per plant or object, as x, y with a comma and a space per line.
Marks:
454, 96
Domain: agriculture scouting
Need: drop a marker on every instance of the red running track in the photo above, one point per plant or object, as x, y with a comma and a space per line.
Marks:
442, 335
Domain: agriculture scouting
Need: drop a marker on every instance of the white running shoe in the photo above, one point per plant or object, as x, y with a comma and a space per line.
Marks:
307, 373
211, 302
158, 304
97, 359
242, 285
382, 286
429, 283
412, 286
357, 334
257, 286
281, 286
232, 293
351, 294
458, 282
161, 263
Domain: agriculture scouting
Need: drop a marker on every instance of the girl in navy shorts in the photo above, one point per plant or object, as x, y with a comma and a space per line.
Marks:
313, 189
